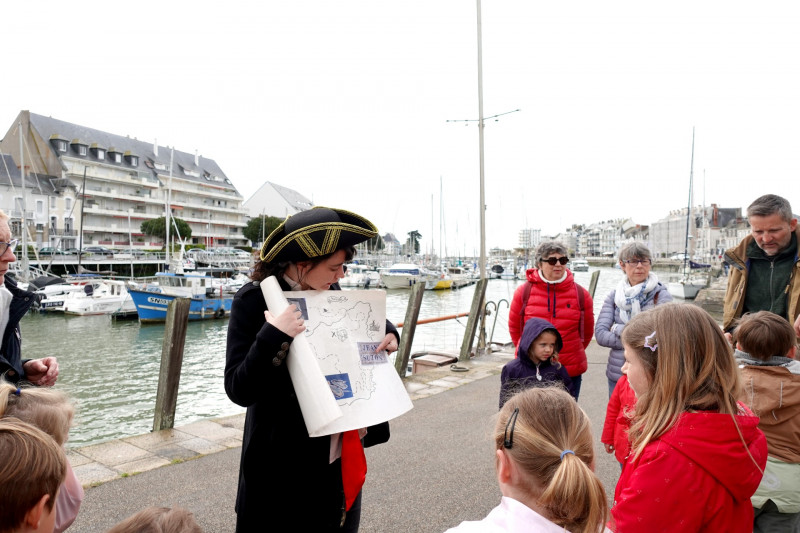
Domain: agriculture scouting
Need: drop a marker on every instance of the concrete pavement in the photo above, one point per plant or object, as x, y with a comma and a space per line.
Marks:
436, 470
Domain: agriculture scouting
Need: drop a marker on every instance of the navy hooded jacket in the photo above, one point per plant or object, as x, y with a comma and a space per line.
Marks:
521, 373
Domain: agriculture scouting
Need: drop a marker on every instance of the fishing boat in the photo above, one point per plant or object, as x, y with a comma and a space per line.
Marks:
437, 281
100, 297
208, 300
579, 265
689, 284
359, 276
402, 276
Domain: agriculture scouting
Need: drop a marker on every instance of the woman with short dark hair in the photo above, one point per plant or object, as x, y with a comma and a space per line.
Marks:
551, 293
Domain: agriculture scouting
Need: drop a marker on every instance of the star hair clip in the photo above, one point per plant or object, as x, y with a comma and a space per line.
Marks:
649, 342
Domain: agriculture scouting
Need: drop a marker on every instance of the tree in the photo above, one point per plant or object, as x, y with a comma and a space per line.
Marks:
254, 231
413, 240
158, 228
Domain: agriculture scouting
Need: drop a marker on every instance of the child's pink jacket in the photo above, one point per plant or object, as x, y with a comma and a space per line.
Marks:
617, 424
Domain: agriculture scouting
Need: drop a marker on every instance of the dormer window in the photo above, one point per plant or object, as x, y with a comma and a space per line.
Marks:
131, 159
191, 173
59, 144
80, 148
98, 151
114, 155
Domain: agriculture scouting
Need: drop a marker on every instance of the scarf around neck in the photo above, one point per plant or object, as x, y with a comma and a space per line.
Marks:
630, 299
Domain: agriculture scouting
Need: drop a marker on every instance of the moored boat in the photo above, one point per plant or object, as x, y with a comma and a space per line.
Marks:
579, 265
100, 297
206, 300
402, 276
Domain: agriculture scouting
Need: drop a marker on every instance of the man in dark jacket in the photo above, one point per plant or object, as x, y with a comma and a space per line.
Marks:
764, 274
14, 303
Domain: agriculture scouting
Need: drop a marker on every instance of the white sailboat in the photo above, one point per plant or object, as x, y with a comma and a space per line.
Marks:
688, 285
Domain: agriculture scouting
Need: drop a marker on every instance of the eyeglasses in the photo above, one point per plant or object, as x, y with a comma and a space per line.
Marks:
645, 262
508, 436
8, 246
553, 260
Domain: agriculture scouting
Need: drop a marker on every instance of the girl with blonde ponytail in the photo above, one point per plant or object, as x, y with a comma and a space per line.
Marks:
544, 458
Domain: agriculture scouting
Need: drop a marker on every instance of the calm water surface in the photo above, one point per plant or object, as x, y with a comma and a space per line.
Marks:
111, 367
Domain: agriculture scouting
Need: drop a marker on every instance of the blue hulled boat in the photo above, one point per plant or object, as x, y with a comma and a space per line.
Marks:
208, 299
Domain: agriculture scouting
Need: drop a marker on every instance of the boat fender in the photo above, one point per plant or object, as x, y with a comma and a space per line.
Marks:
219, 313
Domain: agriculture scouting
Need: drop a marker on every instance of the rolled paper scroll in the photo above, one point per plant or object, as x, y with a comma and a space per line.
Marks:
317, 404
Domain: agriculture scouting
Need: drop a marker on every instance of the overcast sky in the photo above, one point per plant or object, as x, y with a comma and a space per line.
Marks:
348, 102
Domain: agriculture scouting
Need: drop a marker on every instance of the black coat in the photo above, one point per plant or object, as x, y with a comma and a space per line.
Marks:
285, 479
11, 349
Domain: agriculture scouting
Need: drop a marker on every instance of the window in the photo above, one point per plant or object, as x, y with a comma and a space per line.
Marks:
53, 223
101, 154
61, 145
134, 160
81, 149
68, 203
52, 202
117, 157
39, 207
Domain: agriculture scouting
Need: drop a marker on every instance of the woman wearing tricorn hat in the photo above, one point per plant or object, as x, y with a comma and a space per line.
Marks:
287, 480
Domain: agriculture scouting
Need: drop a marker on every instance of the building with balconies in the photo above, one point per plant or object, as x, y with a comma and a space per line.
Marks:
26, 204
124, 182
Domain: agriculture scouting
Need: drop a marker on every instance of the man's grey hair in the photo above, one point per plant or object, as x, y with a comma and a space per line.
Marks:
634, 250
771, 204
547, 248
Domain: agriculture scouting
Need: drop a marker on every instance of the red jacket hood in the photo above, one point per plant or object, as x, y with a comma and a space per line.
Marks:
711, 441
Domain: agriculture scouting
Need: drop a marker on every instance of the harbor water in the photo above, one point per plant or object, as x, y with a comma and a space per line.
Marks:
111, 368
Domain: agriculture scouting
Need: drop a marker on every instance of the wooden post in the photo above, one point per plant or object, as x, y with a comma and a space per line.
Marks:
593, 283
409, 327
171, 360
476, 313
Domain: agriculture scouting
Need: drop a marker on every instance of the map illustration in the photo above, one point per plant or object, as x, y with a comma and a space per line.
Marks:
343, 330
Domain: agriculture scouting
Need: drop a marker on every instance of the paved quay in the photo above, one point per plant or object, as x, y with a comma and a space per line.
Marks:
436, 470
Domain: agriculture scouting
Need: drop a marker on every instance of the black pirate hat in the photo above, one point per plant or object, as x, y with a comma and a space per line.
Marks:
316, 232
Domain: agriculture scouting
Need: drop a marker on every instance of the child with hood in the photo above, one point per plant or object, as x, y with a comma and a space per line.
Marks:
536, 363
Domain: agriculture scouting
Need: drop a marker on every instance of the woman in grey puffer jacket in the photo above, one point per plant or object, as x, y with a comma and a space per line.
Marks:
637, 291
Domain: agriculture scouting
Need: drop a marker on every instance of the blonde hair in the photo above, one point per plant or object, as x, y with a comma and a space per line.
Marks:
158, 520
764, 335
548, 422
46, 408
689, 366
31, 465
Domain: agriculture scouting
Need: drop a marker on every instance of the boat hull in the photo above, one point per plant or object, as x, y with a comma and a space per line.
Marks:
686, 290
152, 306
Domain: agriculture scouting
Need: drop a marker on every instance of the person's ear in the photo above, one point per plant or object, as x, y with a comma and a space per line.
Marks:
503, 468
792, 352
35, 513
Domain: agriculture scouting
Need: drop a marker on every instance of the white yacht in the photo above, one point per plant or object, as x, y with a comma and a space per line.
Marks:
402, 276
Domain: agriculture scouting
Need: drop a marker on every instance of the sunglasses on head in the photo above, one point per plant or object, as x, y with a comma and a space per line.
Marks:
554, 260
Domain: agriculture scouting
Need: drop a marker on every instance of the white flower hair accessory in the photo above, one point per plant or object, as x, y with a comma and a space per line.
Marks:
649, 342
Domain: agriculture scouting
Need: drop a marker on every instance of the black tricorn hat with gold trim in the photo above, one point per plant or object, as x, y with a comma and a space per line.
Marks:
316, 232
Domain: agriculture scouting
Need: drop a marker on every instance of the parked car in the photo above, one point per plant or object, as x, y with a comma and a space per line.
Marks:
99, 250
235, 252
49, 250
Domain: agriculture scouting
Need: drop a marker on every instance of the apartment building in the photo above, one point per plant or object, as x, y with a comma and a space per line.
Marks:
122, 182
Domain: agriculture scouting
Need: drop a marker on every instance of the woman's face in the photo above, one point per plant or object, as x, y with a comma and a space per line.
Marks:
321, 276
634, 369
552, 272
636, 269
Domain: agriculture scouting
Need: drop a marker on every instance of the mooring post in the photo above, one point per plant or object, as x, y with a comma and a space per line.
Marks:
171, 360
409, 327
593, 283
475, 314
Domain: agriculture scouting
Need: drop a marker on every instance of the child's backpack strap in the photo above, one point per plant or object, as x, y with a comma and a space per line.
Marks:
581, 305
526, 294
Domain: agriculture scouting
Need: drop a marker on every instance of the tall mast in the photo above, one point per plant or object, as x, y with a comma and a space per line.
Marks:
24, 221
480, 143
689, 210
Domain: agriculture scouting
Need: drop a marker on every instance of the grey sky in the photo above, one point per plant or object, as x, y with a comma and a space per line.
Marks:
348, 101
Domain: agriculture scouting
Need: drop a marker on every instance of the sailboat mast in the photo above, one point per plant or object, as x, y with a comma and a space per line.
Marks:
480, 142
24, 253
689, 209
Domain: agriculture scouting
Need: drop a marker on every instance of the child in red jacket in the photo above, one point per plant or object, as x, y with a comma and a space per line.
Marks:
697, 455
618, 420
